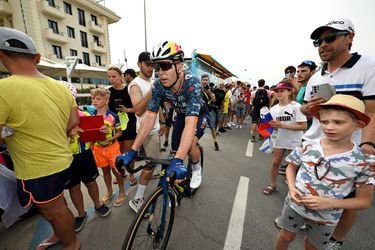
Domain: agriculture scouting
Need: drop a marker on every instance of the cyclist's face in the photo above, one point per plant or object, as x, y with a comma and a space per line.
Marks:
167, 74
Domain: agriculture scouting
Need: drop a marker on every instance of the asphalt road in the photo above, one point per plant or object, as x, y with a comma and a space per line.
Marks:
203, 221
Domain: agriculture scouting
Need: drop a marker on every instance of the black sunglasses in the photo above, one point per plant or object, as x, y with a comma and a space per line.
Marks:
326, 166
164, 66
308, 62
329, 38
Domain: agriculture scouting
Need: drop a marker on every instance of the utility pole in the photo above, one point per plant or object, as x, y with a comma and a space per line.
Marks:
144, 16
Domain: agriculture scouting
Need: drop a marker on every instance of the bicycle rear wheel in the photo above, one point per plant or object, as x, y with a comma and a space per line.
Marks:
146, 230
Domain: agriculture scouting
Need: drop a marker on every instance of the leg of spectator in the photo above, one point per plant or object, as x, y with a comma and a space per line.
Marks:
120, 183
77, 199
93, 191
277, 157
283, 239
346, 222
108, 180
308, 245
62, 221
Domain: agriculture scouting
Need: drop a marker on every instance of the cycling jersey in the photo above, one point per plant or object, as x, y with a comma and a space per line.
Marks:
188, 100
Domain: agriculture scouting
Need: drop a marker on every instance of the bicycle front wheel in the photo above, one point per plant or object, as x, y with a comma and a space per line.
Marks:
148, 230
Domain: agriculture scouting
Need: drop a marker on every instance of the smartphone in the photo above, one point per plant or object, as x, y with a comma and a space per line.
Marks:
118, 102
325, 91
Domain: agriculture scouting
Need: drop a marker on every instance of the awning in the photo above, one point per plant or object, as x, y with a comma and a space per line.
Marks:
219, 69
53, 69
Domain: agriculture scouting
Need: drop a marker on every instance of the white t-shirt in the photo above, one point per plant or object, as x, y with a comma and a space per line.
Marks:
356, 77
235, 93
289, 114
144, 86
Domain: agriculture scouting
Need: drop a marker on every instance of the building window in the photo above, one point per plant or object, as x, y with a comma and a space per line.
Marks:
57, 51
94, 19
96, 40
70, 32
51, 3
68, 8
84, 39
86, 58
53, 26
81, 17
73, 52
98, 60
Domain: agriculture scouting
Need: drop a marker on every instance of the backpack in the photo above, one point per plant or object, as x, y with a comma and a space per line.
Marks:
261, 99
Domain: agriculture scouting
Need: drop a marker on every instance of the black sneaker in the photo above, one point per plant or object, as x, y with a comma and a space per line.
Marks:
222, 130
216, 146
253, 138
103, 211
227, 127
79, 222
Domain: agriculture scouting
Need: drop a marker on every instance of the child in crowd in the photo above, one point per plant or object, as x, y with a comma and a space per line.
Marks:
105, 151
288, 124
83, 168
240, 109
322, 175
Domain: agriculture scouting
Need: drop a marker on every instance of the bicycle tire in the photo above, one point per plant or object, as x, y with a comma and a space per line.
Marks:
141, 217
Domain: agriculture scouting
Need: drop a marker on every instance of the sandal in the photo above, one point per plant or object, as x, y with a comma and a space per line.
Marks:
45, 244
106, 199
269, 190
133, 181
119, 202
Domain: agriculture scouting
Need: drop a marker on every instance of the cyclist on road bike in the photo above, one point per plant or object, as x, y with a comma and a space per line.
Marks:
183, 92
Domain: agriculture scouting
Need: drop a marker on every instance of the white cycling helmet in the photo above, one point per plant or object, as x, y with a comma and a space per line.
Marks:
167, 50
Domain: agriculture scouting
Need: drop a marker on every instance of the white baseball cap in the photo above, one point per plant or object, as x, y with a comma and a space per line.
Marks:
342, 24
16, 41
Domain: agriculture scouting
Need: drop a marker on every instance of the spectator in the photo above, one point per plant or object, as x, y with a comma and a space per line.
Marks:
41, 141
208, 98
224, 118
105, 151
140, 94
305, 71
217, 105
344, 71
129, 76
260, 99
315, 169
120, 104
288, 123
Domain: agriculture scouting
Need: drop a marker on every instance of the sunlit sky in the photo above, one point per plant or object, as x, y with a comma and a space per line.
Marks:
253, 39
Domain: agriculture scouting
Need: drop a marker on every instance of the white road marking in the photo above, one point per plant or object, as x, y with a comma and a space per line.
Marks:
235, 229
249, 149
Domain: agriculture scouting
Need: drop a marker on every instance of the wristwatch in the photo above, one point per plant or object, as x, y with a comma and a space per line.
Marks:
368, 143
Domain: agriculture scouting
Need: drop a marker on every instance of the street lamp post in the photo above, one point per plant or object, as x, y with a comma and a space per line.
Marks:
144, 15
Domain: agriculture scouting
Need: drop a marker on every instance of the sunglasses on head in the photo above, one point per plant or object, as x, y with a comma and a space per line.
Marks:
308, 62
329, 38
164, 66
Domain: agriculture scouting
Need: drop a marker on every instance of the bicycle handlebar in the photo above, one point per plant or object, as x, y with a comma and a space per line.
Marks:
120, 163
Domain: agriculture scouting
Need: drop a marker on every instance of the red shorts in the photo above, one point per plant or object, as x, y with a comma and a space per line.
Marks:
106, 156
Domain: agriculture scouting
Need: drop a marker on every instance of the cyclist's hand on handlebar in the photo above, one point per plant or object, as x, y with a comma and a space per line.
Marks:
177, 170
124, 160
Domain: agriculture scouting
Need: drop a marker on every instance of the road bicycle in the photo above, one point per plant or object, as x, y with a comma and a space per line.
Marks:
152, 226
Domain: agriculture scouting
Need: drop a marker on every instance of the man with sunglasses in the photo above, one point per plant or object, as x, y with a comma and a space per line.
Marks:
183, 91
351, 74
304, 72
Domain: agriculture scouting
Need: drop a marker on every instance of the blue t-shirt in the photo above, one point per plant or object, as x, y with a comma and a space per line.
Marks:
187, 101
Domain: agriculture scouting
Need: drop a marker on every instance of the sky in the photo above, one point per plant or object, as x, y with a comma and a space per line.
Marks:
253, 39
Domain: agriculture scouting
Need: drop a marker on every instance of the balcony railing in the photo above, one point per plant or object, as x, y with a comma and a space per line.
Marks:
96, 28
49, 10
5, 9
97, 47
50, 35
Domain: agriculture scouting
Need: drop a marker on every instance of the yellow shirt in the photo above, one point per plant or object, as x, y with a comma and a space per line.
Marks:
38, 109
226, 102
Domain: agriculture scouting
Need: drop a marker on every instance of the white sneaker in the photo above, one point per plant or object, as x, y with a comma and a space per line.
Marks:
136, 204
237, 126
240, 126
196, 179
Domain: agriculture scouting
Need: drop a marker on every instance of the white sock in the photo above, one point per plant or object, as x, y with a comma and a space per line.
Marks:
140, 192
197, 166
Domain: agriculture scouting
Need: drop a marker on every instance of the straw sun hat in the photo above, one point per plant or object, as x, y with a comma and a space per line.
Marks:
350, 103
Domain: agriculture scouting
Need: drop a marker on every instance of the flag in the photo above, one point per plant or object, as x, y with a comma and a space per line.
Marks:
267, 146
265, 128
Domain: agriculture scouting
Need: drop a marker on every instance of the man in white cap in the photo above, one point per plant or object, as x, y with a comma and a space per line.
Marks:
350, 74
41, 113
